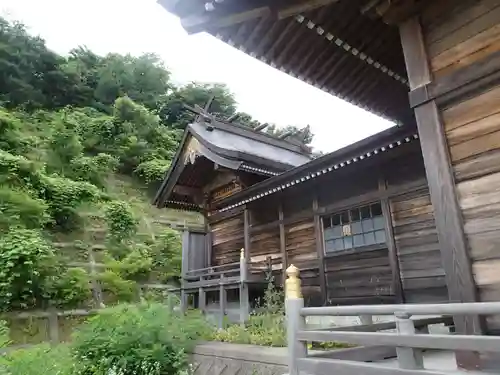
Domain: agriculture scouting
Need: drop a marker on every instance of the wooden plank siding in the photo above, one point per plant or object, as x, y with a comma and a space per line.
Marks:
473, 131
359, 278
459, 37
415, 234
300, 244
264, 244
227, 240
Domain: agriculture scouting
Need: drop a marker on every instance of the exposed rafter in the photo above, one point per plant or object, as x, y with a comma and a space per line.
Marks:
336, 41
393, 11
212, 18
310, 175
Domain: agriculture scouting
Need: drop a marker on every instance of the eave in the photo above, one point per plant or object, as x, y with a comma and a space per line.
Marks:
346, 157
345, 48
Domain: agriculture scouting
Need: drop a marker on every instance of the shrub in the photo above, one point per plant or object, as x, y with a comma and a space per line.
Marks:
265, 327
38, 360
120, 220
25, 259
143, 339
68, 288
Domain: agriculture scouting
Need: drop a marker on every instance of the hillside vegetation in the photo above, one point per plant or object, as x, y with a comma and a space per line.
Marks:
84, 142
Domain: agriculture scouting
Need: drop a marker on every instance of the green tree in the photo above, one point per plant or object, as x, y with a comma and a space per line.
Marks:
173, 113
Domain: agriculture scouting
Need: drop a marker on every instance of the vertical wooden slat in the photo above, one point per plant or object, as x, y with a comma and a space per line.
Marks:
284, 257
449, 222
185, 252
391, 244
246, 233
53, 326
222, 301
318, 234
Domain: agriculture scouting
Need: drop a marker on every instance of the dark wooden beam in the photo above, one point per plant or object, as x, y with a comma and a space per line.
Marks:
246, 234
397, 286
447, 213
256, 30
215, 20
393, 12
479, 75
320, 248
284, 257
186, 190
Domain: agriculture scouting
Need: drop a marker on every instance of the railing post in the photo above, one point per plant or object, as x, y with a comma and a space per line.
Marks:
202, 297
366, 319
243, 266
222, 301
408, 358
244, 302
183, 300
294, 320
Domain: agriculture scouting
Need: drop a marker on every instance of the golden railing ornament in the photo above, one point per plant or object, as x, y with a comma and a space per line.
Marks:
292, 283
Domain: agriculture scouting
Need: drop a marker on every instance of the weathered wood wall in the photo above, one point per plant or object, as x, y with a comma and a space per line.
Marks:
459, 33
227, 239
461, 36
420, 263
415, 234
361, 276
301, 252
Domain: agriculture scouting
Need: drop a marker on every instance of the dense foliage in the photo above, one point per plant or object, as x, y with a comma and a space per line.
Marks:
72, 129
143, 339
140, 339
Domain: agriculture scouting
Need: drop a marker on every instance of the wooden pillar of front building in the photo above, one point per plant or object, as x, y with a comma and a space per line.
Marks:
246, 235
320, 248
441, 181
284, 256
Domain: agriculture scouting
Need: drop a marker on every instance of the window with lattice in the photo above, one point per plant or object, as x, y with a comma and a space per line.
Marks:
355, 228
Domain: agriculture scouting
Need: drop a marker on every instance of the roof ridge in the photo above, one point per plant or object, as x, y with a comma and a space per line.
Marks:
248, 132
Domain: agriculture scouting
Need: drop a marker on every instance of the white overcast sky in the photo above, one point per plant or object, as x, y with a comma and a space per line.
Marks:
138, 26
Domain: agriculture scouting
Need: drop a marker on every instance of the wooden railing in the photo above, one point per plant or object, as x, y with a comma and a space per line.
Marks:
222, 277
407, 340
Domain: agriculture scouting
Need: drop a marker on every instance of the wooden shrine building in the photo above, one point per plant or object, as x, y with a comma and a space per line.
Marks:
416, 222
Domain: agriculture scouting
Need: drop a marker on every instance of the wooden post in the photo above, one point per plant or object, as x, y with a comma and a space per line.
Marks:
284, 257
408, 358
244, 302
447, 213
294, 302
246, 234
53, 326
202, 297
184, 300
397, 286
96, 286
366, 319
222, 301
320, 249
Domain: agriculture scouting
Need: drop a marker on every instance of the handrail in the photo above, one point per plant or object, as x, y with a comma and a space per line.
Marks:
216, 273
409, 339
478, 308
235, 264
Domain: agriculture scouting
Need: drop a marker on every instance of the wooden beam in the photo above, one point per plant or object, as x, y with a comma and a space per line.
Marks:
210, 20
246, 234
460, 83
198, 23
186, 190
393, 12
320, 248
391, 244
447, 213
284, 257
